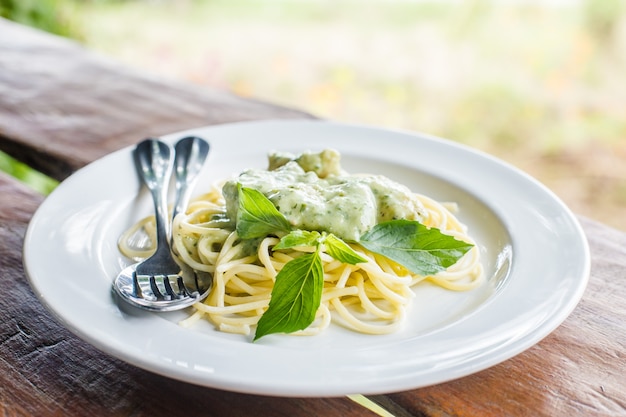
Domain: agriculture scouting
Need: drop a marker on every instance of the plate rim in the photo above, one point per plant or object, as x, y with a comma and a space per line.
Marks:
121, 352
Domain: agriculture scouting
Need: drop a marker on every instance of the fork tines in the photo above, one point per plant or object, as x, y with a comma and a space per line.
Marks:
160, 287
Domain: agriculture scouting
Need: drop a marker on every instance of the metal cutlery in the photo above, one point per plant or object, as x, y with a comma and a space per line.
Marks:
160, 283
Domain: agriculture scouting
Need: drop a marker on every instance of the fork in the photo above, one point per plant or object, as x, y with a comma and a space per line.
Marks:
154, 276
158, 283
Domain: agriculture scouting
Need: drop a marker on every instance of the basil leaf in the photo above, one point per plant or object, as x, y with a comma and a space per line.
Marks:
420, 249
296, 296
340, 250
257, 216
298, 238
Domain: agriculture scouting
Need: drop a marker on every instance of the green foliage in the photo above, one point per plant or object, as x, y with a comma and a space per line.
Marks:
24, 173
53, 16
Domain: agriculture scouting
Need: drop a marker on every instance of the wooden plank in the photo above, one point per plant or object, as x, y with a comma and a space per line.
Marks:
47, 371
578, 370
62, 107
59, 112
44, 370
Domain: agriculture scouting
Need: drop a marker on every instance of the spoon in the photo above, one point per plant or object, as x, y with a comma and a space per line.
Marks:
148, 292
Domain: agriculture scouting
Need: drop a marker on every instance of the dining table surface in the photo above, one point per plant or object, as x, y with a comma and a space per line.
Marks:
63, 106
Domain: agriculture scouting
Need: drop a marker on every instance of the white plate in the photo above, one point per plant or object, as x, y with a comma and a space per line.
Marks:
535, 255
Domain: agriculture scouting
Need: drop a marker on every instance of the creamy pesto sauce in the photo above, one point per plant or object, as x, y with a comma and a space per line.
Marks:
320, 196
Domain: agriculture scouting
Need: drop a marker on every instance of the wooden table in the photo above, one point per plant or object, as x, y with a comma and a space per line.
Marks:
62, 107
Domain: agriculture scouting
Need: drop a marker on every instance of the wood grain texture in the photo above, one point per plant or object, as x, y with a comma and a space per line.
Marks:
47, 371
578, 370
63, 107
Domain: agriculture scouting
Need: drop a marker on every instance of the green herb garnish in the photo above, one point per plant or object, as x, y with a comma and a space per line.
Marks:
257, 216
299, 238
335, 247
340, 250
297, 292
296, 296
420, 249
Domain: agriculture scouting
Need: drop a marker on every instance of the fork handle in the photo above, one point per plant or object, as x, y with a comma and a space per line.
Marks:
154, 162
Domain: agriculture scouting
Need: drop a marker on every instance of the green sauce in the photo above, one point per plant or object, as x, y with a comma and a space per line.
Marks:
313, 193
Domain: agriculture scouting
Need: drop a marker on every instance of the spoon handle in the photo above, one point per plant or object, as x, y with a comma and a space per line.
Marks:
191, 152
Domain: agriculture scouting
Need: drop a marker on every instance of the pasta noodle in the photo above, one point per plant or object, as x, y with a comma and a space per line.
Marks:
370, 297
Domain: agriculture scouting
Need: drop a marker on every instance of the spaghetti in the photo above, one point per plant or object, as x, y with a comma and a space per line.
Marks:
370, 297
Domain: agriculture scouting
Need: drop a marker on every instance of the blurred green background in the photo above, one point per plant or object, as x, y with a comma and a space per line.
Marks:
540, 84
